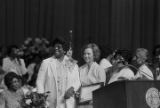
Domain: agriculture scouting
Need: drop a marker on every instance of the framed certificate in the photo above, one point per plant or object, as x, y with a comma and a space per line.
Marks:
86, 92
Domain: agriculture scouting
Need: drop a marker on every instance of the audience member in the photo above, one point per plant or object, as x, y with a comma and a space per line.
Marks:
13, 63
106, 56
140, 62
11, 97
120, 69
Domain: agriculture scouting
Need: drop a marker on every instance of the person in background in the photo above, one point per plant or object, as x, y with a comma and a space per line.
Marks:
33, 69
11, 97
156, 61
59, 75
2, 74
91, 72
69, 55
2, 54
120, 70
140, 62
106, 56
156, 53
13, 62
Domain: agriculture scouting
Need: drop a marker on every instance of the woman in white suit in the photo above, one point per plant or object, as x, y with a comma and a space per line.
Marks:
59, 75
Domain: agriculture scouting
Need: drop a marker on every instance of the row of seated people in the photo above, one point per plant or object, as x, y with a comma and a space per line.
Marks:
126, 66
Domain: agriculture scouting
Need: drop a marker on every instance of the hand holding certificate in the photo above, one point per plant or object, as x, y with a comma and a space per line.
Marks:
86, 92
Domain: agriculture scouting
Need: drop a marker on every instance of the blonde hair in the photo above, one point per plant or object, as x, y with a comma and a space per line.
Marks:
95, 49
142, 53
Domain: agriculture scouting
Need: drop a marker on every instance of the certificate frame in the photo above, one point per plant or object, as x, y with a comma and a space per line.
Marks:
86, 92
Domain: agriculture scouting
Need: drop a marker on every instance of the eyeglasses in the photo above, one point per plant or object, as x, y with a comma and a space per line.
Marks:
58, 47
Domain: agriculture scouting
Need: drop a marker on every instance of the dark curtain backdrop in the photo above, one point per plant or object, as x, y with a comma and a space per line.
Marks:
34, 18
118, 23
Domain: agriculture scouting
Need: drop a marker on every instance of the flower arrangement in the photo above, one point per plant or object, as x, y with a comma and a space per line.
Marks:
34, 100
34, 47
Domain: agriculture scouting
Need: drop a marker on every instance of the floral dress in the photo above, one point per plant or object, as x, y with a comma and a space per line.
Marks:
10, 99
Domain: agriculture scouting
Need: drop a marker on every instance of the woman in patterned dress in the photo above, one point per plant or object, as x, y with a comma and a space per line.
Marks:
11, 97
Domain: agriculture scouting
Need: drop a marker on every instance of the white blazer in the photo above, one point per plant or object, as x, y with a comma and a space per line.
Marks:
47, 81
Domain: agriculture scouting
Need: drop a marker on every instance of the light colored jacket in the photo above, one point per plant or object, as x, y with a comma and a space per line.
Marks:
124, 74
14, 65
47, 81
144, 72
95, 74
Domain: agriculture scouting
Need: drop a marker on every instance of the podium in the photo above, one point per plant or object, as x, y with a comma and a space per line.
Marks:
128, 94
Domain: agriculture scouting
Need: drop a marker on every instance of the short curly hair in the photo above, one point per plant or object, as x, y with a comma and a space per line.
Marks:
95, 49
125, 54
10, 49
62, 41
9, 77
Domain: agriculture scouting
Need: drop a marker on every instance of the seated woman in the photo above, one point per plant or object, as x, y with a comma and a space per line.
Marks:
13, 62
121, 70
11, 97
91, 72
140, 62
